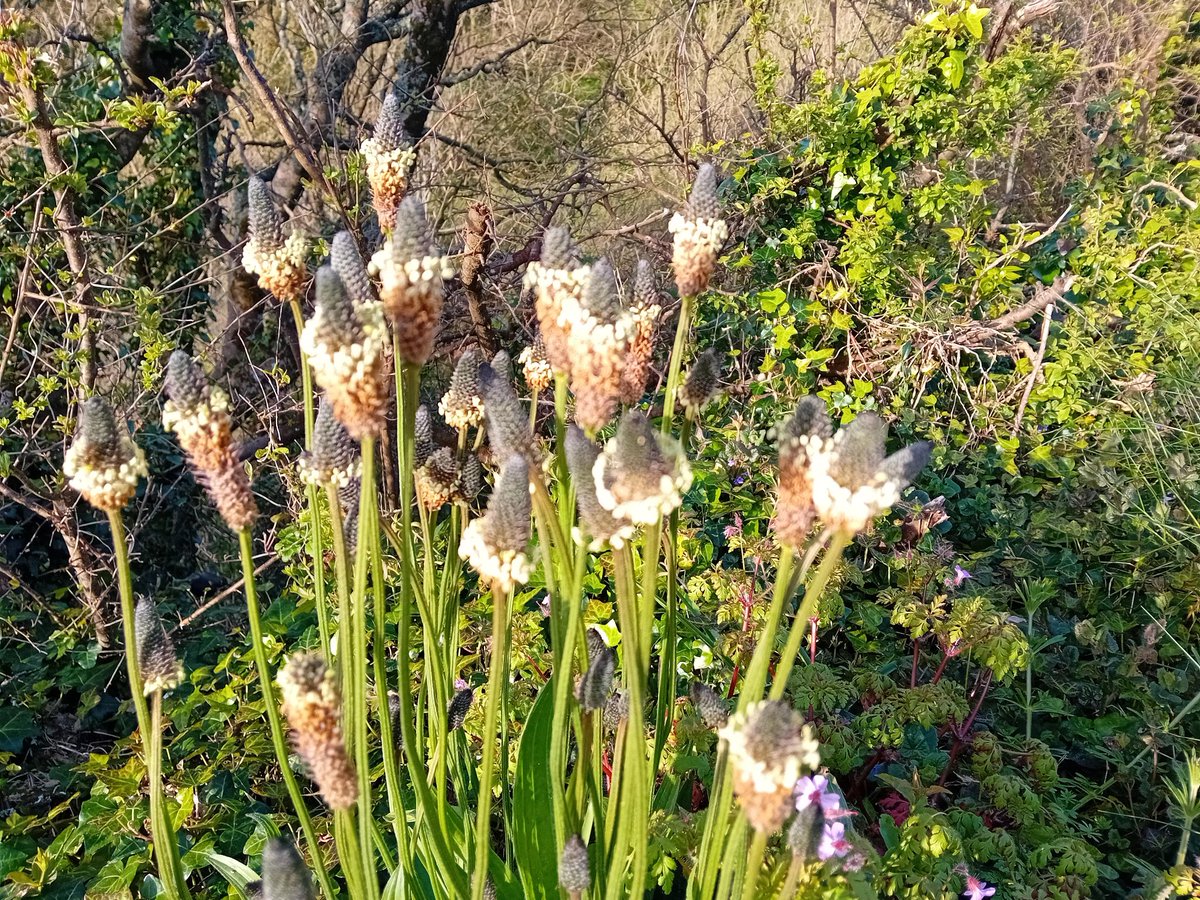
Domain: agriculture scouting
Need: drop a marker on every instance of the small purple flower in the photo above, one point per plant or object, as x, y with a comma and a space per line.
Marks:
736, 528
813, 791
739, 480
960, 575
833, 841
978, 889
461, 684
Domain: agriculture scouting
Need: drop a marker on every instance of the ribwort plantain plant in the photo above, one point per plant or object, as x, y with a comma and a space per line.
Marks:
598, 494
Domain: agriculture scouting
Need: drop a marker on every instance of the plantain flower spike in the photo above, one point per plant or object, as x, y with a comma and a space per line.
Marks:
349, 497
503, 365
599, 332
535, 366
278, 263
699, 234
312, 705
641, 475
334, 459
284, 876
769, 747
461, 406
438, 479
412, 273
103, 463
494, 545
423, 443
459, 706
574, 871
712, 709
702, 383
557, 280
645, 311
470, 482
601, 527
345, 346
347, 262
803, 437
595, 685
507, 422
156, 657
852, 479
389, 155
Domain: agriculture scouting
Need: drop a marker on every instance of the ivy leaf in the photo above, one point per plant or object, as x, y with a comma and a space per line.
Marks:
16, 726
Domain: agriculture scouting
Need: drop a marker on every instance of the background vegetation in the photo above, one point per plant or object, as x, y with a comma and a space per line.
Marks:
979, 223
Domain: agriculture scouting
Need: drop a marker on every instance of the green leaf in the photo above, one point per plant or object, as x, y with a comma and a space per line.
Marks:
236, 873
16, 725
533, 838
113, 879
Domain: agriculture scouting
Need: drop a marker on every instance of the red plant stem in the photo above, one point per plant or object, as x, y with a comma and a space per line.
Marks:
912, 681
812, 641
960, 734
937, 676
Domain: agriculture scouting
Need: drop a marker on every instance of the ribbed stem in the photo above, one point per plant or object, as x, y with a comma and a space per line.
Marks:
166, 845
495, 688
754, 862
676, 362
812, 594
267, 686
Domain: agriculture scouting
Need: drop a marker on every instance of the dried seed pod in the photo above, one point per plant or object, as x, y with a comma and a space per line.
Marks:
641, 475
312, 705
597, 524
769, 747
595, 685
495, 544
347, 262
460, 705
699, 234
462, 406
574, 870
412, 272
345, 345
103, 463
157, 660
507, 421
477, 241
284, 875
701, 384
645, 312
712, 709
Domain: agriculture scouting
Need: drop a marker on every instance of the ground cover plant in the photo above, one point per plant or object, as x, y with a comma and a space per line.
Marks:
840, 542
